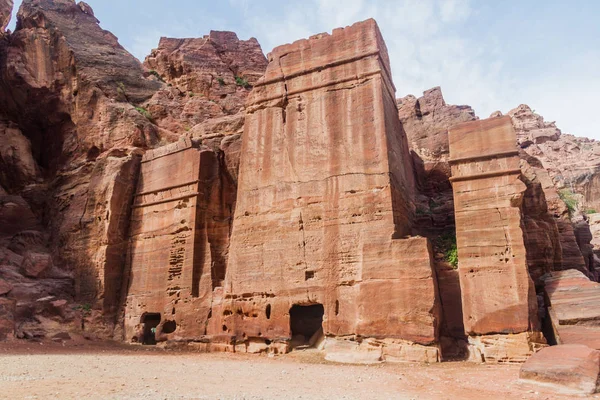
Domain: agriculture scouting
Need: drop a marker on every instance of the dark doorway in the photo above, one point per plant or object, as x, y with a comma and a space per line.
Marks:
150, 322
306, 322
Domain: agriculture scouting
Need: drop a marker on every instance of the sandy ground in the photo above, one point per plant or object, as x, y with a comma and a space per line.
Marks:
104, 371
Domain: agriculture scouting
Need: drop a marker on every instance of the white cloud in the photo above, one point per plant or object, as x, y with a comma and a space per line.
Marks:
426, 50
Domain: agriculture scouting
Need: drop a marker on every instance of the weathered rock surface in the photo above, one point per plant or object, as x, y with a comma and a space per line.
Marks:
548, 231
568, 368
209, 77
17, 165
426, 121
498, 295
6, 7
319, 206
180, 229
573, 166
573, 308
68, 95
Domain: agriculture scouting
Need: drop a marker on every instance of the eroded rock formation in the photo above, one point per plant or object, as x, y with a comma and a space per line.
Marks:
325, 197
568, 170
321, 235
208, 77
6, 7
426, 121
498, 295
190, 200
74, 125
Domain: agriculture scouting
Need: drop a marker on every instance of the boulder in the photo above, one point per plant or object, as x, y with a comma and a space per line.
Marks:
5, 287
571, 368
35, 265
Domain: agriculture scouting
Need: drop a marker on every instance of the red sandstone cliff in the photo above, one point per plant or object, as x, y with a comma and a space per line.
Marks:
77, 112
74, 123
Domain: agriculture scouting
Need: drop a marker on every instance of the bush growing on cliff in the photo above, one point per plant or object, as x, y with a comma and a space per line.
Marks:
452, 256
447, 244
241, 81
569, 199
157, 75
591, 211
144, 112
221, 81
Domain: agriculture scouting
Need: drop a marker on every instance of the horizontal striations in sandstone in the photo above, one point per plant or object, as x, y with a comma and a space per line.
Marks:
325, 187
179, 237
426, 121
573, 301
497, 293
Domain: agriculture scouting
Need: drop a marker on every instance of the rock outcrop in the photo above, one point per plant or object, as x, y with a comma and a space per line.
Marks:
572, 167
178, 251
498, 295
208, 77
6, 7
321, 235
426, 121
216, 197
572, 369
74, 124
326, 171
573, 308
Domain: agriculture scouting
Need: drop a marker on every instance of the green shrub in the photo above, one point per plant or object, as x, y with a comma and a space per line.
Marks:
451, 256
569, 199
241, 81
447, 244
591, 211
221, 81
85, 309
157, 75
144, 112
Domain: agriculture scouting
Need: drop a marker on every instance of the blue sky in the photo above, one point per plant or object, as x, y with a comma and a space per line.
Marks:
492, 55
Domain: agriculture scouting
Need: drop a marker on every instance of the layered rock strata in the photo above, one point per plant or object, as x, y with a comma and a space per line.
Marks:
426, 121
571, 369
325, 200
179, 241
77, 112
573, 308
568, 168
498, 295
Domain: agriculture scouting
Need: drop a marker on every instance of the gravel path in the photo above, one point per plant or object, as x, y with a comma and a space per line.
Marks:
51, 371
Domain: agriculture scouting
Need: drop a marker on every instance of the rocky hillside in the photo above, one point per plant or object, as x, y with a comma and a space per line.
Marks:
77, 111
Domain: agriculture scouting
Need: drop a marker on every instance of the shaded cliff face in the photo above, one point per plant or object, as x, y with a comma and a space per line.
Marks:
564, 172
555, 237
426, 121
572, 162
74, 124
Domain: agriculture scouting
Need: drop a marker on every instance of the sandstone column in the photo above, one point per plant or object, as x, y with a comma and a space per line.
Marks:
498, 296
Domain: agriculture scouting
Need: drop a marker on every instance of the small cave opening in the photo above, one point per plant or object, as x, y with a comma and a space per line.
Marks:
306, 324
150, 321
268, 311
169, 326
